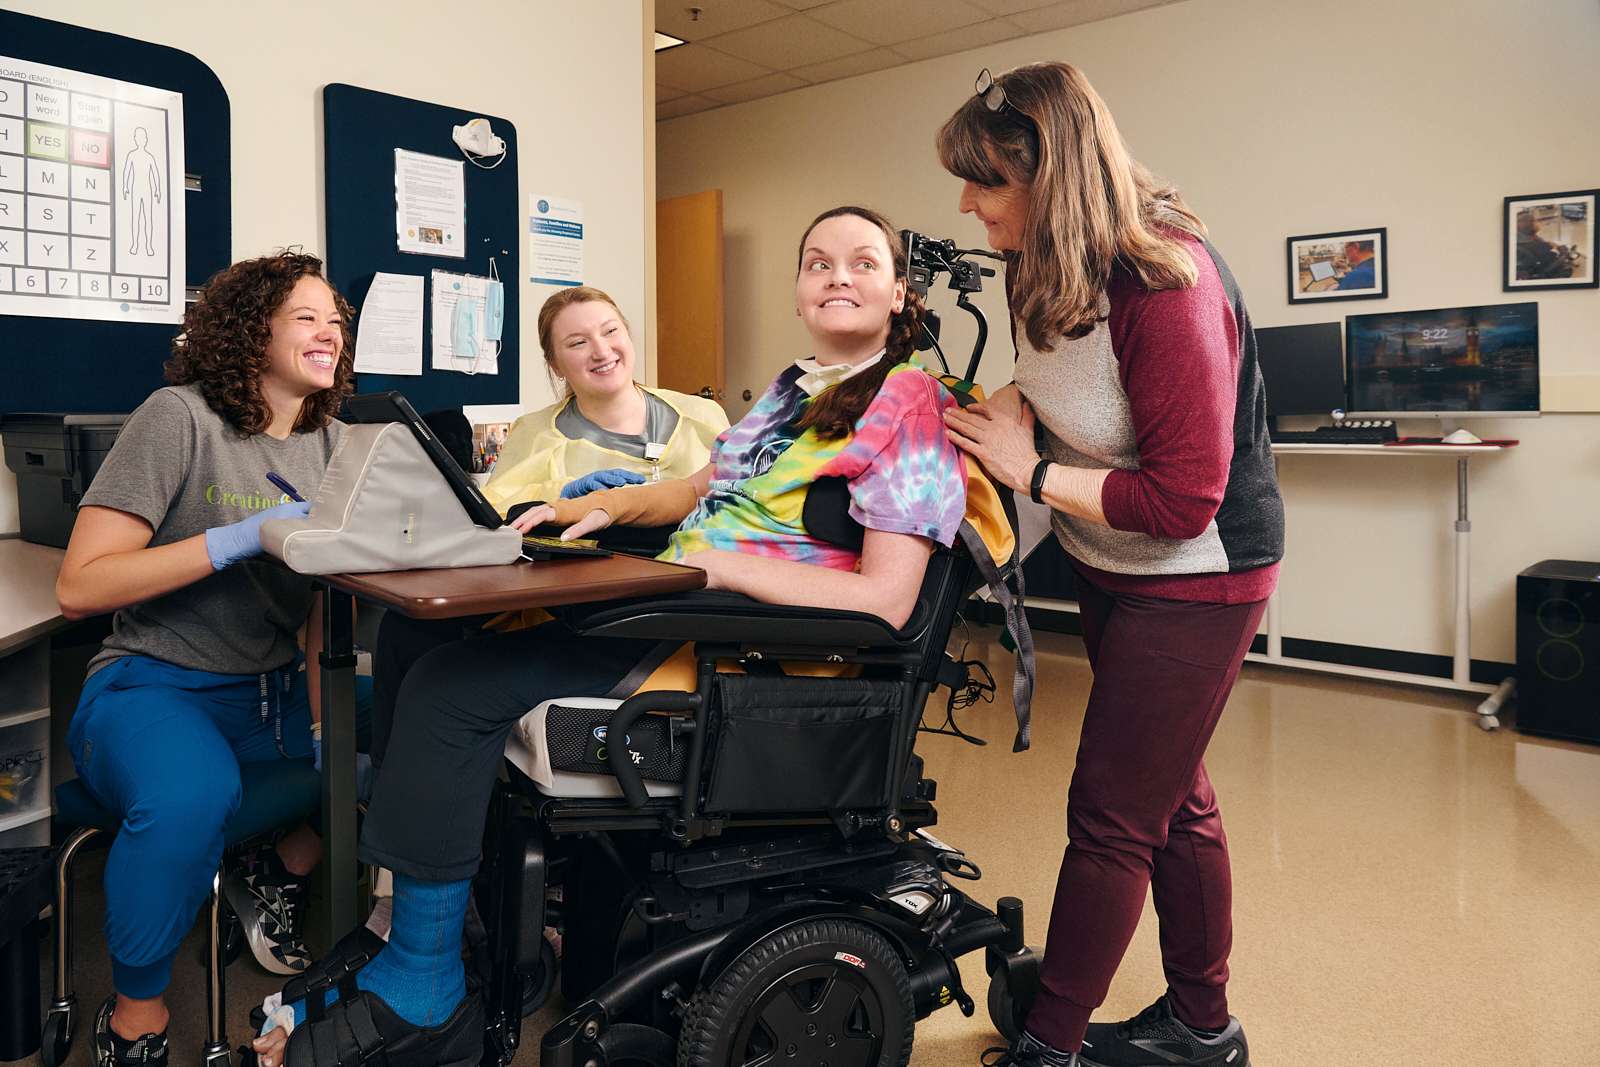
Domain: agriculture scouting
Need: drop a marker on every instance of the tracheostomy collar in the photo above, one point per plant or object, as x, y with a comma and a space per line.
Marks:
816, 377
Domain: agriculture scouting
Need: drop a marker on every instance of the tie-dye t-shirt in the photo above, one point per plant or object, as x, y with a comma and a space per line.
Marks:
904, 474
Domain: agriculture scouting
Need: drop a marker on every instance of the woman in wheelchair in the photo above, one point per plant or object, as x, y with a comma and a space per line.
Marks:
860, 409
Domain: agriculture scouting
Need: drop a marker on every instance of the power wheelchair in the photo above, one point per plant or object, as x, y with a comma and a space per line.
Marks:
747, 876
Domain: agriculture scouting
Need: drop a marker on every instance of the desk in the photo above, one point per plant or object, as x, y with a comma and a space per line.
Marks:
1460, 678
440, 594
29, 614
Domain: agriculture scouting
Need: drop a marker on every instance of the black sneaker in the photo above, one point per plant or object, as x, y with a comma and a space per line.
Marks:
1029, 1051
366, 1029
271, 905
1155, 1038
113, 1050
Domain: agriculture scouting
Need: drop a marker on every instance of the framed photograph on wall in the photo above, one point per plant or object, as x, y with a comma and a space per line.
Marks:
1550, 241
1351, 265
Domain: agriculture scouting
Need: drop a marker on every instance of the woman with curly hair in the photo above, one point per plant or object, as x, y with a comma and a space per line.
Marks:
200, 673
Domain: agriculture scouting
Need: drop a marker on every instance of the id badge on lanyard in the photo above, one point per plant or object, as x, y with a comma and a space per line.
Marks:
653, 451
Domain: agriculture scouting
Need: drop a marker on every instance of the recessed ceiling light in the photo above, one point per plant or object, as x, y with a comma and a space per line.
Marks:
665, 41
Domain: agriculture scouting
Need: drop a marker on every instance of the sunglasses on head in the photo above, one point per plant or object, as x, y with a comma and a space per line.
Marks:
991, 92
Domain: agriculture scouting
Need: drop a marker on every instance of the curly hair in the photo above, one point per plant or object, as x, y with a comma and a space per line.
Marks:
833, 414
223, 346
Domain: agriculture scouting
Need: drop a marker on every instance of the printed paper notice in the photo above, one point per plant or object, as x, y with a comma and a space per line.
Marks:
430, 202
390, 338
458, 325
91, 196
555, 240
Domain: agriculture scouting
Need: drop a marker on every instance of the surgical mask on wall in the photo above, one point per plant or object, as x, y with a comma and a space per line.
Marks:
494, 305
464, 330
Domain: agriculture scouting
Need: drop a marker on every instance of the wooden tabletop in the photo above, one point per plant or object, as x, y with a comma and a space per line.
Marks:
457, 591
28, 575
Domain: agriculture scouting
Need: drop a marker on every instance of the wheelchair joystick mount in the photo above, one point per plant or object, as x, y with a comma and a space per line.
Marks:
927, 258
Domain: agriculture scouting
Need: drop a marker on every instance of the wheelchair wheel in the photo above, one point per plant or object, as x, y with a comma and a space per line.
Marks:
1006, 1013
57, 1038
538, 984
827, 990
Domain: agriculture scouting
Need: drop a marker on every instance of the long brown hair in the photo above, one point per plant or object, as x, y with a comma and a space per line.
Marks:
223, 346
1091, 205
833, 413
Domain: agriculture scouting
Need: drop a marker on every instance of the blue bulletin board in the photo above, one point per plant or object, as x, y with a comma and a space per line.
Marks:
50, 363
362, 129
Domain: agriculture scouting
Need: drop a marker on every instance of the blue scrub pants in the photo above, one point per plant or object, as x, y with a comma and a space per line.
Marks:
160, 745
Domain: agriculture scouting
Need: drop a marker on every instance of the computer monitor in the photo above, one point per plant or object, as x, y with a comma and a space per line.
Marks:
1445, 363
1303, 367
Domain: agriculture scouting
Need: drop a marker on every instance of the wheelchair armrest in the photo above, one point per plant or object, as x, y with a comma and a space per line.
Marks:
622, 720
733, 618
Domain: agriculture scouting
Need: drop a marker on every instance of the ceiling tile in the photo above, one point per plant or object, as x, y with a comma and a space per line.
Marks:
666, 92
942, 44
684, 105
1077, 12
792, 41
892, 21
771, 85
804, 5
695, 68
716, 16
1003, 7
849, 66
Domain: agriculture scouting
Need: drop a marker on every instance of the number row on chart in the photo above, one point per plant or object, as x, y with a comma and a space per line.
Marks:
31, 281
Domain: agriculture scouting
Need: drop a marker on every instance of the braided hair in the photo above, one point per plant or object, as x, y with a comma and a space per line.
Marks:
833, 414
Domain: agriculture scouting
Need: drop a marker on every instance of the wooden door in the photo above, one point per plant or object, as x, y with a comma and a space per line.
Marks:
689, 353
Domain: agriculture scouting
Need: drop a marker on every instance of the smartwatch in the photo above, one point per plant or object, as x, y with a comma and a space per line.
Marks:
1036, 485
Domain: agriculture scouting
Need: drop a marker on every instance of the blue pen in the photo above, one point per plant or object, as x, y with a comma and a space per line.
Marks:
283, 483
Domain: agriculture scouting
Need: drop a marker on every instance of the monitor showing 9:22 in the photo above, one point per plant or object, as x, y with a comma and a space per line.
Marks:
1482, 359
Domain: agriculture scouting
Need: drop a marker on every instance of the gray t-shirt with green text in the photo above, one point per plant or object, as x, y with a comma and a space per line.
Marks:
183, 468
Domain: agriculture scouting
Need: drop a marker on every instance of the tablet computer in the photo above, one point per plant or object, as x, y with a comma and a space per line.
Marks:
394, 407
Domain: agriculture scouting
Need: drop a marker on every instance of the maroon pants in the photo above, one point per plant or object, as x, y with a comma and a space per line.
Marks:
1141, 811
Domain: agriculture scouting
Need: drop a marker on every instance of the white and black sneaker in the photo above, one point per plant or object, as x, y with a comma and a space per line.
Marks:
113, 1050
271, 904
1157, 1038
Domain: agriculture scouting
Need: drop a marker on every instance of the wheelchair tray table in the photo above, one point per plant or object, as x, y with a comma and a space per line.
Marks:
460, 591
442, 593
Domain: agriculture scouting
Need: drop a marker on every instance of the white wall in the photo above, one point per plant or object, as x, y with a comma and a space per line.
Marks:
1276, 117
570, 76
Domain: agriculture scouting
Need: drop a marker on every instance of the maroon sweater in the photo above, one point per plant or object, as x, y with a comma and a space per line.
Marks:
1167, 392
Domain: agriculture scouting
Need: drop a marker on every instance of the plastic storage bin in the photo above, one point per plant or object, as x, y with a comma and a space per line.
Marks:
24, 766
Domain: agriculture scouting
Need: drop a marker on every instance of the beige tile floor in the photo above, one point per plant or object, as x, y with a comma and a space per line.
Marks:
1408, 889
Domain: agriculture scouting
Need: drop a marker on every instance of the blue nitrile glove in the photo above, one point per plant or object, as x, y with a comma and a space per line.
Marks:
606, 479
241, 540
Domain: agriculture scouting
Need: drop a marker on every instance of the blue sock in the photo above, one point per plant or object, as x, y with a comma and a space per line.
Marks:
419, 974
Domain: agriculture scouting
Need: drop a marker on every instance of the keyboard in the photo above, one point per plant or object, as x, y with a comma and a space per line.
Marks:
1349, 432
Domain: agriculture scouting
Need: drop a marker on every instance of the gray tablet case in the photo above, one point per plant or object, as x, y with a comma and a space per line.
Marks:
383, 506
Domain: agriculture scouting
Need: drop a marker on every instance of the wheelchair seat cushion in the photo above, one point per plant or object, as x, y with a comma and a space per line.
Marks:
561, 746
